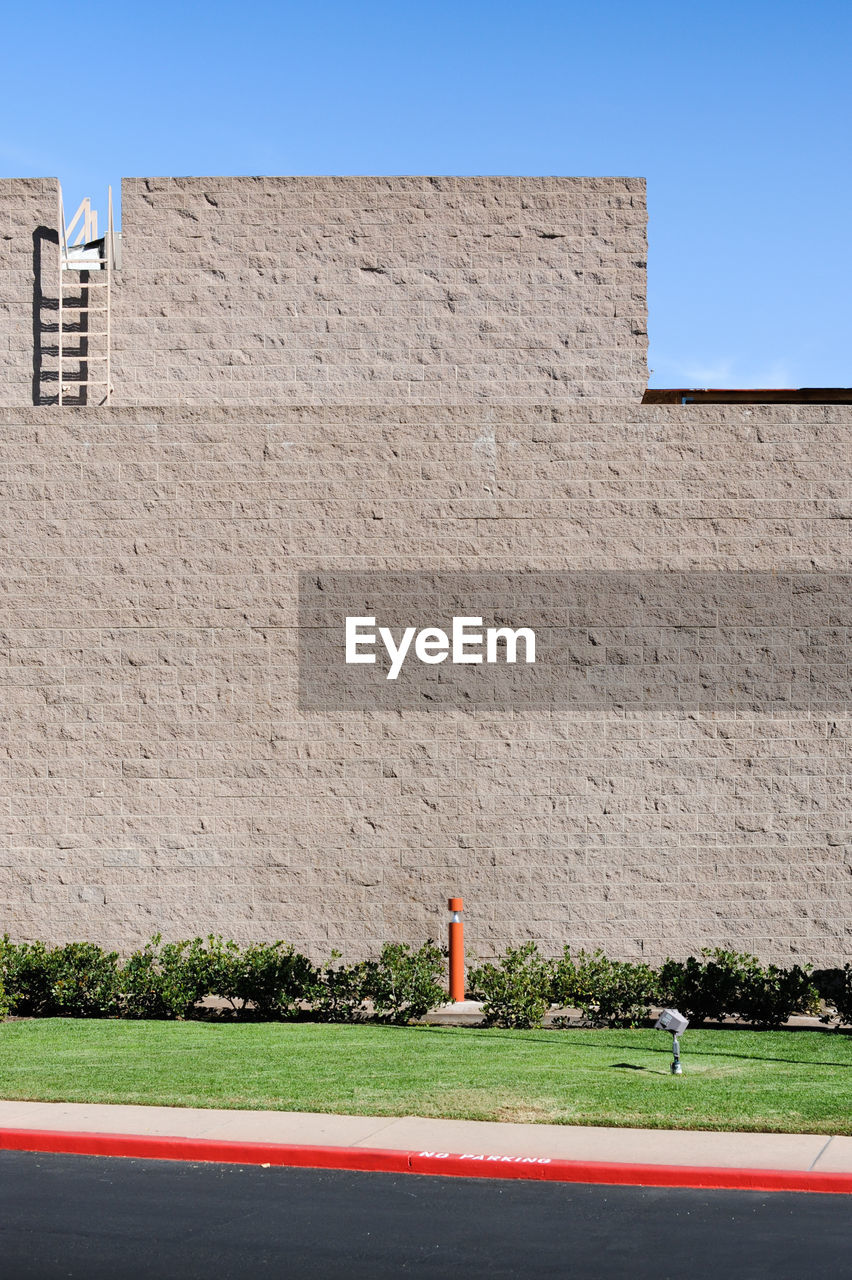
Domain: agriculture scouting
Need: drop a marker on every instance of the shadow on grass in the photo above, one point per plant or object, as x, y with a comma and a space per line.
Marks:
550, 1038
665, 1049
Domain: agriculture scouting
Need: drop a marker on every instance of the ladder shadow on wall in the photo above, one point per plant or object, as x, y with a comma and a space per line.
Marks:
46, 326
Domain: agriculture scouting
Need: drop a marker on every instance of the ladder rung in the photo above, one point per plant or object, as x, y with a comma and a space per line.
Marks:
74, 362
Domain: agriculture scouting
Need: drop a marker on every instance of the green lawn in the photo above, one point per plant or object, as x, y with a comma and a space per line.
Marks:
784, 1081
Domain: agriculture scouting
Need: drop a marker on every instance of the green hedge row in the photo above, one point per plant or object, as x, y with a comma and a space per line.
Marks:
263, 980
522, 985
271, 980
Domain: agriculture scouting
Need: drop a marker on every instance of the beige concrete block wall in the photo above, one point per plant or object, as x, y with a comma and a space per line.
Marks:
380, 290
28, 288
156, 772
345, 291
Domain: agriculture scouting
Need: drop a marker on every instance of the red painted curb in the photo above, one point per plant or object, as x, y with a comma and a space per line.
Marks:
219, 1151
434, 1163
636, 1175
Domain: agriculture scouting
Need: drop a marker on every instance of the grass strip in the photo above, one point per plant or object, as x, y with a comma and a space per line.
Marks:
773, 1081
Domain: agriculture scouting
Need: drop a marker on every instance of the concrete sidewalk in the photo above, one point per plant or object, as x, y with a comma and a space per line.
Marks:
801, 1153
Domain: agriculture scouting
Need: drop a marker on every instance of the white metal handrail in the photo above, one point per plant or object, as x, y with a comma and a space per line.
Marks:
83, 252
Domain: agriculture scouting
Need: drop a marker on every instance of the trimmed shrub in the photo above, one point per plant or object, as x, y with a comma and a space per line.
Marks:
165, 980
271, 977
516, 990
770, 996
404, 984
141, 984
5, 1003
84, 981
221, 964
340, 994
272, 980
735, 984
706, 990
26, 978
612, 993
835, 987
267, 979
77, 980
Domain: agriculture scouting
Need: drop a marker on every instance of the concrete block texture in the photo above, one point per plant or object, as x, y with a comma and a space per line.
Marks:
29, 272
357, 290
343, 291
157, 770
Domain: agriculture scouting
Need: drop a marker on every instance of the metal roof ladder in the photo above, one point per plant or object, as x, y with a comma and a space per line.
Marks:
86, 264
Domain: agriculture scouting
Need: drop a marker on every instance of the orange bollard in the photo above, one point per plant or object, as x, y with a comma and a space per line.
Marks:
456, 930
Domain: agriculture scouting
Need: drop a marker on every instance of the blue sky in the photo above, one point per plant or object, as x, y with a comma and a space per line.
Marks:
738, 114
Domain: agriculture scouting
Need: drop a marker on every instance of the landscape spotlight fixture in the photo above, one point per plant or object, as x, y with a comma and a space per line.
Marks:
676, 1023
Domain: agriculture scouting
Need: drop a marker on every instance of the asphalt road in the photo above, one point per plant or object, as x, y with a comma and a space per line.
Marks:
92, 1217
